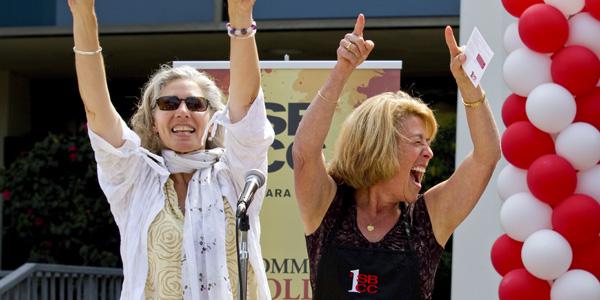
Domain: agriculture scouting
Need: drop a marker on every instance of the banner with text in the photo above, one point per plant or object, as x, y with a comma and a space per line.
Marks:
289, 86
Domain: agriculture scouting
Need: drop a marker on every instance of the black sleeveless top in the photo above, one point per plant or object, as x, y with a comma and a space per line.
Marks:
339, 227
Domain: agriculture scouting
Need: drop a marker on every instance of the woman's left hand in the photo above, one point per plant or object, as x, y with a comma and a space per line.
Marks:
469, 92
240, 12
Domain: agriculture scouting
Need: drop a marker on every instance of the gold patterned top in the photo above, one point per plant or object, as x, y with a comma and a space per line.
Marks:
165, 238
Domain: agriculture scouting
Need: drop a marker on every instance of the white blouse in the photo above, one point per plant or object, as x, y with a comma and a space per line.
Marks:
132, 179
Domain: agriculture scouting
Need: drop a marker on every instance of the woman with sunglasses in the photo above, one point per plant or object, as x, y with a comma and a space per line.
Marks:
173, 180
370, 232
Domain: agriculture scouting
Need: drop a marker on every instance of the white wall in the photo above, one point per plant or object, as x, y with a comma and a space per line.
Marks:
473, 277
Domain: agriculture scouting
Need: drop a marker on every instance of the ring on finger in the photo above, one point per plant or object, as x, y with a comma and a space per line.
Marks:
348, 46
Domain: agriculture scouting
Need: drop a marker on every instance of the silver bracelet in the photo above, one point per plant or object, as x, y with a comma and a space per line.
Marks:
87, 52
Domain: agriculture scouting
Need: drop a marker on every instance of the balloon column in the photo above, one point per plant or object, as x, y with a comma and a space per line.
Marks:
551, 185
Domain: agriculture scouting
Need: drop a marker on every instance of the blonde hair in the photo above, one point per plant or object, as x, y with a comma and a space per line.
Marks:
366, 151
142, 121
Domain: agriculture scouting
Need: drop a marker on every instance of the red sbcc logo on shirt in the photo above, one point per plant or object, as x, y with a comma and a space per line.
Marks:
363, 283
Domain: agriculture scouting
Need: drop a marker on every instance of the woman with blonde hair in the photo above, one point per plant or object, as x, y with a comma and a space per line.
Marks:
370, 232
172, 182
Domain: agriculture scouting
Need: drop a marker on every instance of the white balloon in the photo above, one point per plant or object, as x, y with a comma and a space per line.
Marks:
522, 214
588, 183
546, 254
525, 69
579, 143
511, 180
567, 7
512, 40
576, 284
550, 107
584, 30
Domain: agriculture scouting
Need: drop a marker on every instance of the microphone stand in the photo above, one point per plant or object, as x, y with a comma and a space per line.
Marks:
254, 180
243, 225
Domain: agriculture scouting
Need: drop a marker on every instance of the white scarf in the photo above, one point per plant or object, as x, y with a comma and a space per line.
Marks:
204, 269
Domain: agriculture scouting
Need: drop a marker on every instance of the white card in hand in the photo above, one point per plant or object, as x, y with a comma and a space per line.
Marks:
479, 54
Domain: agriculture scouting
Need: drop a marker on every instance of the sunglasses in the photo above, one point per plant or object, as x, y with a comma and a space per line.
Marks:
172, 103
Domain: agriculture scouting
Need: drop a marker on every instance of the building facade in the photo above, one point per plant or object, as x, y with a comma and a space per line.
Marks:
37, 79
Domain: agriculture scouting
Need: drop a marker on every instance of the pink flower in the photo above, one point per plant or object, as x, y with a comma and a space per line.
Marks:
72, 148
6, 195
73, 156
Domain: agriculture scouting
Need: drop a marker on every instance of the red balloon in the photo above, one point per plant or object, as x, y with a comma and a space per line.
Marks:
593, 7
543, 28
522, 143
588, 108
577, 219
517, 7
551, 179
576, 68
587, 258
520, 285
506, 255
513, 110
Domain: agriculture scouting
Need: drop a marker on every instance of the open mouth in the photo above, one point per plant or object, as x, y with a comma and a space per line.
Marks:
183, 129
417, 174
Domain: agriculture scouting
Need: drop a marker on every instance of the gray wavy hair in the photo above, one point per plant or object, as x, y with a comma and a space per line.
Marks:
142, 121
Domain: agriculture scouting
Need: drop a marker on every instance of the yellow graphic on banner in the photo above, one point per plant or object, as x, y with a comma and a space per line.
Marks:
288, 93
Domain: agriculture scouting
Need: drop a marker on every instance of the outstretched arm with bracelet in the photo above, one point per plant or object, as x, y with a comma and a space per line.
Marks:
450, 202
315, 189
101, 115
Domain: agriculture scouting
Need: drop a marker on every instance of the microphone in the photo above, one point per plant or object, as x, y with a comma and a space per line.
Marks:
254, 180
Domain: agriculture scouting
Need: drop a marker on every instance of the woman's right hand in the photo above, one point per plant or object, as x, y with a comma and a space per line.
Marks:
354, 49
101, 115
314, 188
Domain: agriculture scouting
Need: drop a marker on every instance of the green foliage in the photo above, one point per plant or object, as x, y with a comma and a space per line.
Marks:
54, 210
444, 146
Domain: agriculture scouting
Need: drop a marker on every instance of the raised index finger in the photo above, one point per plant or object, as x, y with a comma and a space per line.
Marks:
359, 26
451, 42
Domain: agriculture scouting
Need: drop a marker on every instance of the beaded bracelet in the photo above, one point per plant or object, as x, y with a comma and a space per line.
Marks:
87, 52
475, 103
242, 33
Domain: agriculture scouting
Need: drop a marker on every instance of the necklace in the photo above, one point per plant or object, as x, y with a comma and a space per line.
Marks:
371, 226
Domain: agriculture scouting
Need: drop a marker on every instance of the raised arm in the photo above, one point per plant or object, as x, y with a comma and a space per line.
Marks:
315, 189
244, 73
101, 115
451, 201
